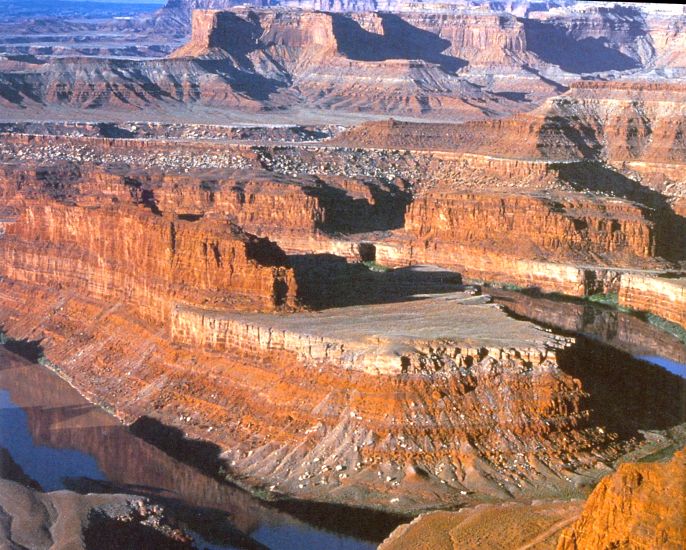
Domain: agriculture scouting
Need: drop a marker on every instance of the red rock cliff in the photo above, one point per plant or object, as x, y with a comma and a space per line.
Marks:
640, 506
125, 252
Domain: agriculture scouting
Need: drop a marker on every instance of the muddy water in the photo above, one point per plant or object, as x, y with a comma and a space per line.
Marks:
63, 442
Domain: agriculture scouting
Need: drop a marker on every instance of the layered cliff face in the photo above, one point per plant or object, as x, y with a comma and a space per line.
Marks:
344, 435
363, 405
553, 227
366, 404
615, 121
548, 242
641, 505
662, 296
95, 246
563, 232
323, 54
630, 121
592, 40
429, 60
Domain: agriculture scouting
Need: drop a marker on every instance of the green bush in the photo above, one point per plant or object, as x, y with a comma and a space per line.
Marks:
373, 266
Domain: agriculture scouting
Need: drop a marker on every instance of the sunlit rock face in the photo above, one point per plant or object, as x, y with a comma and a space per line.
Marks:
223, 270
639, 505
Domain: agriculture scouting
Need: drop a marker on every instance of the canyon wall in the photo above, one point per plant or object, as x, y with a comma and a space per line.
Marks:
546, 242
404, 208
565, 228
129, 253
365, 404
435, 61
323, 431
639, 506
659, 295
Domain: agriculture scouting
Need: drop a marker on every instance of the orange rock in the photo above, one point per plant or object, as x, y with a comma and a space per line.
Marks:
639, 506
128, 253
660, 295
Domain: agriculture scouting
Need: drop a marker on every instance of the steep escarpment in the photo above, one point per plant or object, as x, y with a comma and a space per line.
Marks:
367, 404
641, 505
94, 245
322, 54
615, 121
548, 242
297, 403
564, 229
441, 61
662, 296
400, 207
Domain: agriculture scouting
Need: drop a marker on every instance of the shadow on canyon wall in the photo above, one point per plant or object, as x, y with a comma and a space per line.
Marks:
625, 394
202, 455
326, 281
346, 214
556, 45
160, 462
365, 524
400, 40
243, 81
557, 138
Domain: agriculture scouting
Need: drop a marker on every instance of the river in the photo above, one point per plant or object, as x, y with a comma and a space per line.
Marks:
62, 441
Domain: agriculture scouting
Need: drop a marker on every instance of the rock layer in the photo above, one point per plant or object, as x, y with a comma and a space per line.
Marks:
639, 506
659, 295
95, 246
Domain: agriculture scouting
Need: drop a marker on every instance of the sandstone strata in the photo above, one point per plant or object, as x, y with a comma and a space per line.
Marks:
417, 59
95, 246
639, 506
659, 295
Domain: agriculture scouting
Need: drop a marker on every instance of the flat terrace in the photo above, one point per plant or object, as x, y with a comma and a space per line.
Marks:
378, 339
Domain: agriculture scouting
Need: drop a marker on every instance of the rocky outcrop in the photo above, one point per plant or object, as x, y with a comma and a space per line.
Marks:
615, 121
564, 234
565, 228
543, 242
330, 337
438, 60
96, 248
662, 296
511, 525
318, 429
640, 506
70, 520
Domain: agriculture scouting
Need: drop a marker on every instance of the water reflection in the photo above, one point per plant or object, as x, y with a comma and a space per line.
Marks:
615, 328
49, 467
672, 366
62, 441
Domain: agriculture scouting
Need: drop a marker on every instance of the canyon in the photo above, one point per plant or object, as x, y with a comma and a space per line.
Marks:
441, 61
357, 256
